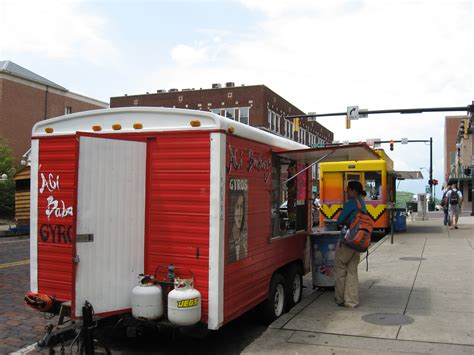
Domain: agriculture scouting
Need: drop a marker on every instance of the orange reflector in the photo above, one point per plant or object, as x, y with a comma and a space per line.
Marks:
137, 126
231, 130
49, 130
96, 128
195, 123
116, 127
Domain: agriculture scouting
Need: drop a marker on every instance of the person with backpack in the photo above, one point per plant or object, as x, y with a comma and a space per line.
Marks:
445, 205
454, 197
347, 257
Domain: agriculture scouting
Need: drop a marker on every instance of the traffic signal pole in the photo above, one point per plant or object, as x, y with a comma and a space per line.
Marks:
433, 203
469, 109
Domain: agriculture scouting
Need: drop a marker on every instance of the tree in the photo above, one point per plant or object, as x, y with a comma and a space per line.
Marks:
7, 187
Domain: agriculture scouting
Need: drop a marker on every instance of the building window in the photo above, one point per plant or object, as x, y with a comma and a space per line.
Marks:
67, 110
229, 95
135, 102
244, 115
302, 136
239, 114
180, 98
288, 129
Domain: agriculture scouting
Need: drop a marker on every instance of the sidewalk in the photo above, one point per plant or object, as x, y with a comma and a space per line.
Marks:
418, 297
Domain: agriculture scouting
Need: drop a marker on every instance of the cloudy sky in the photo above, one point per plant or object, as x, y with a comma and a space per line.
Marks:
320, 55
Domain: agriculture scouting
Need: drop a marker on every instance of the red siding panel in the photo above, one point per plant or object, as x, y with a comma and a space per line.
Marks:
56, 226
178, 206
246, 281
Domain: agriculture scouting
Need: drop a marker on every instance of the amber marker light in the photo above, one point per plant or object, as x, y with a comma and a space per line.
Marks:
49, 130
195, 123
231, 130
96, 128
116, 127
137, 126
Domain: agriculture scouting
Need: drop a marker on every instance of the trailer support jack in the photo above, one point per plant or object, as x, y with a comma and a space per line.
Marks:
87, 329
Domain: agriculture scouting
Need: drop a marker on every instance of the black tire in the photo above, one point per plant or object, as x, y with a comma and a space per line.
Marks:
276, 303
294, 280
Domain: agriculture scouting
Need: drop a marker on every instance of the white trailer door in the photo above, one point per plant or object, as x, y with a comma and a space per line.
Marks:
110, 222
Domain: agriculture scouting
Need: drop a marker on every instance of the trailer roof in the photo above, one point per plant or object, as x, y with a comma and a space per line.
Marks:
155, 119
408, 175
350, 152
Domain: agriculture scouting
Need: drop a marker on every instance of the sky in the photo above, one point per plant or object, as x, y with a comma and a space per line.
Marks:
322, 56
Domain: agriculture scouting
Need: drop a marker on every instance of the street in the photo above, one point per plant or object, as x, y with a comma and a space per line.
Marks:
417, 297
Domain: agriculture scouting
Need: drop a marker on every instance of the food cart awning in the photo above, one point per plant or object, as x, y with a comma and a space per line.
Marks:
408, 175
348, 152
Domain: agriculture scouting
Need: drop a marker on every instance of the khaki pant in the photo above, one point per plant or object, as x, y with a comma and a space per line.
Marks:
347, 280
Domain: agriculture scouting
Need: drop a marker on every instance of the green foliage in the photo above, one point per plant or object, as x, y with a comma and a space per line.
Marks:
6, 158
7, 188
402, 198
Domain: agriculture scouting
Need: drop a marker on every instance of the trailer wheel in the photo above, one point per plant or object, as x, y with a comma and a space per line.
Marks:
275, 305
294, 277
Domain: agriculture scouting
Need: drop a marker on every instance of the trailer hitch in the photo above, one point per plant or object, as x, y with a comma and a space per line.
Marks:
56, 335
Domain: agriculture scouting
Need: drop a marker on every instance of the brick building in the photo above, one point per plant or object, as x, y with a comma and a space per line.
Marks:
451, 129
458, 154
26, 98
255, 105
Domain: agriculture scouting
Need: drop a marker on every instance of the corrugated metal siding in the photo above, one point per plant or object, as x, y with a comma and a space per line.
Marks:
57, 156
178, 210
246, 281
22, 206
111, 206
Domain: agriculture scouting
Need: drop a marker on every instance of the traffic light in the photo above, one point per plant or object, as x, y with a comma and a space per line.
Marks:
296, 125
466, 128
391, 144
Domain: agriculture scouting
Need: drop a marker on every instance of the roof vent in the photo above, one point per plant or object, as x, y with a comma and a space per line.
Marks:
216, 86
186, 89
173, 90
160, 91
229, 84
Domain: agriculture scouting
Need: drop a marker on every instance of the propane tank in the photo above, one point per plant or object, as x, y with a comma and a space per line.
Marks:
147, 301
184, 303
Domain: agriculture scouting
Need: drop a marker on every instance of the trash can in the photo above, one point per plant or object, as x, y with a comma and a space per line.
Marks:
323, 258
400, 220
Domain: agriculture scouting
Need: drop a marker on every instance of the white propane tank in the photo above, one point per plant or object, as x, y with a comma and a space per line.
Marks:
147, 301
184, 303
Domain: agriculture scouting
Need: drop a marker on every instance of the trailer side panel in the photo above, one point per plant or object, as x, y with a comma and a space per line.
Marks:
56, 216
178, 211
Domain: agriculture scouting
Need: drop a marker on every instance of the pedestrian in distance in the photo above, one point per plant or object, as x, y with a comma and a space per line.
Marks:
454, 197
445, 205
347, 259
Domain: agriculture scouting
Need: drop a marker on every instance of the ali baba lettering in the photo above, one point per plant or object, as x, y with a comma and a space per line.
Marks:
56, 233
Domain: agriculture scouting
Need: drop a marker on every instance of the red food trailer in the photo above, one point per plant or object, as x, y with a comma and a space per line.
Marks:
120, 192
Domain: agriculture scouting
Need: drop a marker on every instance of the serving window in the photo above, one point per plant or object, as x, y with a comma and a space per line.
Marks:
373, 185
289, 210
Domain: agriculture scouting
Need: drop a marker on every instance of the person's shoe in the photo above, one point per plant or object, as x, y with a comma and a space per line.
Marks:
350, 306
455, 227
